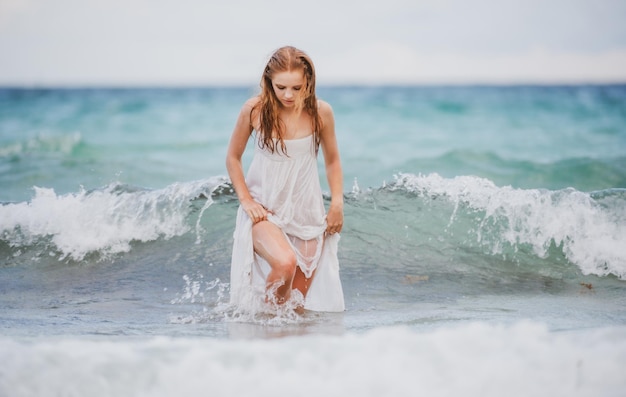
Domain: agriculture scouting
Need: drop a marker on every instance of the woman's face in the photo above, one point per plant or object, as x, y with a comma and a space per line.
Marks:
287, 86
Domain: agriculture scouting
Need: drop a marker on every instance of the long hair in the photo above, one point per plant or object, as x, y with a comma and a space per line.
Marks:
286, 59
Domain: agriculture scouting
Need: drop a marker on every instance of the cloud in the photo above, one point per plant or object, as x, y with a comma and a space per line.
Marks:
166, 42
392, 63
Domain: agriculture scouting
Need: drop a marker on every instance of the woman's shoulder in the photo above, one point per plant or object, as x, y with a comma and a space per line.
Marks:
250, 111
323, 106
247, 111
324, 109
251, 103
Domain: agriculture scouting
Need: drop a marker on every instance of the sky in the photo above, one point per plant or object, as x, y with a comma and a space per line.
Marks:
227, 42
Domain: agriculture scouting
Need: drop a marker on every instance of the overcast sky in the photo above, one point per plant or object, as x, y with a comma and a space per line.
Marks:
183, 42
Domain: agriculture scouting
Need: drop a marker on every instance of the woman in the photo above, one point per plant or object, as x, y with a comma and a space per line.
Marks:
284, 241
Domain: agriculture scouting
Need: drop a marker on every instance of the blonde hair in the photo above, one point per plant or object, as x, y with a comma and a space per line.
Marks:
286, 59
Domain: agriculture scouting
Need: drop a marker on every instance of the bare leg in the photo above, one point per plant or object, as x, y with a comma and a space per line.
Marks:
301, 283
270, 243
308, 251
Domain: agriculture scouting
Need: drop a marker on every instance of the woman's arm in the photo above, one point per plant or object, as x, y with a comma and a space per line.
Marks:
236, 147
334, 174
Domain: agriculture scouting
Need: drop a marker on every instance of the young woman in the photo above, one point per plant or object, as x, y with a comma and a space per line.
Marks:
284, 241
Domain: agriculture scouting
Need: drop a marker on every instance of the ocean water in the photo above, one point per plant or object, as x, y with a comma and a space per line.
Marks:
483, 252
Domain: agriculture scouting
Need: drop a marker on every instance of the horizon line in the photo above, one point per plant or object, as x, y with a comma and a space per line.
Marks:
372, 84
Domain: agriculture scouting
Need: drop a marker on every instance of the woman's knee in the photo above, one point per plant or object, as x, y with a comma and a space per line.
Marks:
286, 264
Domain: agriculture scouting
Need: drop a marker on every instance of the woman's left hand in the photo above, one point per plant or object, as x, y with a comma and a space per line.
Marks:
334, 219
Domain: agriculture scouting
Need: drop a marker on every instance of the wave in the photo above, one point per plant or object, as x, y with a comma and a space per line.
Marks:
587, 228
103, 221
41, 144
475, 359
418, 223
581, 173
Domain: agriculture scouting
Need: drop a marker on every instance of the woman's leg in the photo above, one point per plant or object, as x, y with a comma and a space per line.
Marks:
309, 254
271, 244
301, 282
310, 251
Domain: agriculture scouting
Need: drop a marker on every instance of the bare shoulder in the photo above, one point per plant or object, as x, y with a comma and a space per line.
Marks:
325, 112
246, 116
250, 104
324, 108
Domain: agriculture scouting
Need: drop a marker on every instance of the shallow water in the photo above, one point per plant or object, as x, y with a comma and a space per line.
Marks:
484, 239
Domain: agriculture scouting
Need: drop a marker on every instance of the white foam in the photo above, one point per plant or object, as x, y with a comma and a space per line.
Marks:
592, 236
43, 143
104, 221
475, 359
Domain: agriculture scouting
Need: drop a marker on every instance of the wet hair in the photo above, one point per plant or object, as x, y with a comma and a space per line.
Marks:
286, 59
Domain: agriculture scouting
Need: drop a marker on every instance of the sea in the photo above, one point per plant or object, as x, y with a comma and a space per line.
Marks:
483, 251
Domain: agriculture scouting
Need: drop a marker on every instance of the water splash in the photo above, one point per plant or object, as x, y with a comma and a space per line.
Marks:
104, 221
590, 234
257, 307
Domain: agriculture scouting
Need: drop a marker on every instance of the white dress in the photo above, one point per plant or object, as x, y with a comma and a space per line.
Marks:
288, 185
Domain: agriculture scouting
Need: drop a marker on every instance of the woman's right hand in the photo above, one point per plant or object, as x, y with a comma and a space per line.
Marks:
255, 210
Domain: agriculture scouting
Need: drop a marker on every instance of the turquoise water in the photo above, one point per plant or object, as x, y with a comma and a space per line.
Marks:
476, 216
528, 137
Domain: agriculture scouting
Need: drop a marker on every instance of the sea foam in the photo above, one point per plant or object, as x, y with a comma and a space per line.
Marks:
590, 234
475, 359
105, 221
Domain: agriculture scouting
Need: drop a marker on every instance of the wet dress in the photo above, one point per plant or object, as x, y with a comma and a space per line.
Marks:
288, 186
